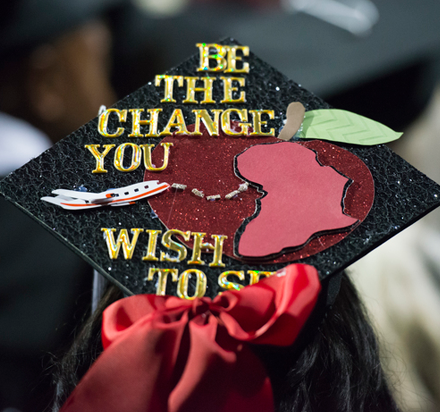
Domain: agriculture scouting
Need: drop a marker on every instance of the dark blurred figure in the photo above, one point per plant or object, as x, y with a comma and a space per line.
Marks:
54, 75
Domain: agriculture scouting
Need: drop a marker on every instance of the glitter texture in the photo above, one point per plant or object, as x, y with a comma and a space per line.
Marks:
207, 163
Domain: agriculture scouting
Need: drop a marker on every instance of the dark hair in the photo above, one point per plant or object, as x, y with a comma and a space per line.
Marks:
332, 368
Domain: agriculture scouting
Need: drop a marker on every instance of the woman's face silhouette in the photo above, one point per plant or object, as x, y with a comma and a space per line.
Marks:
206, 163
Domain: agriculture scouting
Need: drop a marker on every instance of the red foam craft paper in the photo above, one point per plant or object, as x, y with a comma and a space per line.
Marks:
303, 198
206, 163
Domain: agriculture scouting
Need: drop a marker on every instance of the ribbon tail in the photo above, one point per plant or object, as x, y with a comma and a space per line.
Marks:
134, 374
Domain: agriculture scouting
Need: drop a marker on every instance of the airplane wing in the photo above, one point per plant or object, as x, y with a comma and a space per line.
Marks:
70, 203
90, 196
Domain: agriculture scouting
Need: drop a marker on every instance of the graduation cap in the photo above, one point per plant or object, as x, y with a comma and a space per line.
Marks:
217, 173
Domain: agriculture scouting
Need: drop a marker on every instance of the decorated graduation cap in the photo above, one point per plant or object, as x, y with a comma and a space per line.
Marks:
217, 173
211, 177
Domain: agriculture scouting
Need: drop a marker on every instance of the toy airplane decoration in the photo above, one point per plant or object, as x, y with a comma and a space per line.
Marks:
127, 195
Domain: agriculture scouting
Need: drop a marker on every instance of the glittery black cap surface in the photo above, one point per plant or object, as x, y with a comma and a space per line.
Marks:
401, 194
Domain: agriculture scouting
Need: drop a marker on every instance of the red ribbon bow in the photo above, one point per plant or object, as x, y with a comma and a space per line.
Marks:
166, 354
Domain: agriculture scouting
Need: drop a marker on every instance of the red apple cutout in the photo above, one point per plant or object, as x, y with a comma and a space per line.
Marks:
206, 163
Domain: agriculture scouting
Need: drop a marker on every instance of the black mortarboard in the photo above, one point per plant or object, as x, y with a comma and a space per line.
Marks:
226, 175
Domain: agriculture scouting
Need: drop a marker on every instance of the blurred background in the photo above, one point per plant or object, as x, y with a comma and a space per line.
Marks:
60, 61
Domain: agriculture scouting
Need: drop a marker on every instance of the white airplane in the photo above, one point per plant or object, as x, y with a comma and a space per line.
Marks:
128, 195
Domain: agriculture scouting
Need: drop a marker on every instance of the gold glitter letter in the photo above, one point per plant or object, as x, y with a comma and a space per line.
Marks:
228, 89
219, 56
162, 278
227, 284
191, 89
172, 245
211, 125
123, 239
182, 287
169, 86
232, 59
103, 122
217, 248
218, 251
256, 114
197, 249
226, 122
147, 156
152, 242
176, 120
256, 274
135, 158
99, 156
137, 122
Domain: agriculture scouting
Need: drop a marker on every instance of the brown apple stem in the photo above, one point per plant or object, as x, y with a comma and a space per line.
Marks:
294, 118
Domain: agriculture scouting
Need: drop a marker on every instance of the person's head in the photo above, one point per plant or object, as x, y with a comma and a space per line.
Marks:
54, 70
